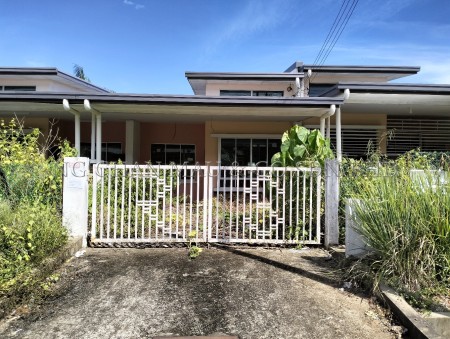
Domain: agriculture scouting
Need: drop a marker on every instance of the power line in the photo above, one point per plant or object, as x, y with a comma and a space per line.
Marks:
335, 32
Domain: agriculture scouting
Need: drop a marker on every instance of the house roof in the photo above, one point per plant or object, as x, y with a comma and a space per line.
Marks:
329, 74
389, 88
299, 66
167, 107
49, 73
394, 98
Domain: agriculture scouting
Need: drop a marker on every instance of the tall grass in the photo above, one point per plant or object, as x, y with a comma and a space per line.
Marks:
405, 218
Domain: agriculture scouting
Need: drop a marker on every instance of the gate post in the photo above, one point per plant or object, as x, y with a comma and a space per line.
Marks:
75, 196
331, 203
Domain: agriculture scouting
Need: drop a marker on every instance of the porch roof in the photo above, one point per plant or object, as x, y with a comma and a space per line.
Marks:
165, 107
395, 98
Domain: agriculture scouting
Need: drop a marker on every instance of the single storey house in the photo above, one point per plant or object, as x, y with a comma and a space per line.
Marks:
234, 118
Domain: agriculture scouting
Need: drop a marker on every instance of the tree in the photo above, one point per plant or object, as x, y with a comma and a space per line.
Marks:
78, 71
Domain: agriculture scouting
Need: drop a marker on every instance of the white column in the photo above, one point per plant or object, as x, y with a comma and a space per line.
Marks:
77, 131
338, 134
98, 143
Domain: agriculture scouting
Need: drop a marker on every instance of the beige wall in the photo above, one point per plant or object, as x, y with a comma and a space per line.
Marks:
237, 127
214, 89
43, 85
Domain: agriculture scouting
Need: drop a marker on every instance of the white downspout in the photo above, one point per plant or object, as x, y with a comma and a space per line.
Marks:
96, 132
338, 127
325, 116
67, 108
338, 135
87, 107
298, 87
99, 138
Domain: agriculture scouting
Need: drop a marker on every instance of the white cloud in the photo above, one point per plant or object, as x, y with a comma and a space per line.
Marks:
255, 17
131, 3
434, 60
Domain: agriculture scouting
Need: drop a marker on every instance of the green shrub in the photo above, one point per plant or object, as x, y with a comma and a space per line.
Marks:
27, 174
404, 218
30, 202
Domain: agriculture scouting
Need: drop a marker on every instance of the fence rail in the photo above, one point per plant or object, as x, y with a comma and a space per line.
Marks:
144, 203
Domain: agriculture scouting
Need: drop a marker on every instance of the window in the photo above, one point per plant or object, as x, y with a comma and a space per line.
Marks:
248, 152
356, 141
235, 93
166, 154
18, 88
427, 133
251, 93
111, 151
316, 90
267, 93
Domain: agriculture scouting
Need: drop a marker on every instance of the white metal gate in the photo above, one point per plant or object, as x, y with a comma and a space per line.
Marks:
150, 204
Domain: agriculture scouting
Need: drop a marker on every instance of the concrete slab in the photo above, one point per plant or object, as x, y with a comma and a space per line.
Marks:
246, 293
433, 325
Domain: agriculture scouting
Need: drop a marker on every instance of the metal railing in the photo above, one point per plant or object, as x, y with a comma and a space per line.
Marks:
145, 203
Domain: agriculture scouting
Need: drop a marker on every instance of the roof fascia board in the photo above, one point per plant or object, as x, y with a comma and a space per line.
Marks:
243, 76
364, 69
28, 71
171, 100
390, 88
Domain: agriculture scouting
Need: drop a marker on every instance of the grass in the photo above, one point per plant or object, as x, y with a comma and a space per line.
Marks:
404, 217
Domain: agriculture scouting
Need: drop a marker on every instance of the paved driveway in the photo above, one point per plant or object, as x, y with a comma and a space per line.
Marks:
251, 293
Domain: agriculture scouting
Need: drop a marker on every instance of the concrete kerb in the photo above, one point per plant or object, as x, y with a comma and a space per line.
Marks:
49, 265
433, 325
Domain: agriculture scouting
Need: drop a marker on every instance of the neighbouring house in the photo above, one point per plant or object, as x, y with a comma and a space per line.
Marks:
234, 118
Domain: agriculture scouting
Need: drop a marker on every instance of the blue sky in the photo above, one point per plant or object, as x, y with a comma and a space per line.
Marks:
145, 46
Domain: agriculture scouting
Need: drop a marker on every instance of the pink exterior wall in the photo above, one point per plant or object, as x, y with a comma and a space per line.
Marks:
176, 133
111, 131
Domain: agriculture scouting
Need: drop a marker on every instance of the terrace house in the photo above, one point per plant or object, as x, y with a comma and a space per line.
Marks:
234, 118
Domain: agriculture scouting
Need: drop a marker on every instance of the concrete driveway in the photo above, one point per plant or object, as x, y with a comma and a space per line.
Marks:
250, 293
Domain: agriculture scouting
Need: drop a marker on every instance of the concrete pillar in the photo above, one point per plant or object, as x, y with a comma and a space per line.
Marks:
93, 119
75, 196
331, 203
354, 242
338, 134
98, 135
132, 142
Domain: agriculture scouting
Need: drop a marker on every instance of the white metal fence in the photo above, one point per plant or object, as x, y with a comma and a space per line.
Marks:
145, 203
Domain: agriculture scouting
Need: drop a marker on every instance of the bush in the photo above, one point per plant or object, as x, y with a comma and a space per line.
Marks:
405, 218
28, 234
30, 202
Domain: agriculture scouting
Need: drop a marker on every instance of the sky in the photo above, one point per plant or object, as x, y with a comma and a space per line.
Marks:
146, 46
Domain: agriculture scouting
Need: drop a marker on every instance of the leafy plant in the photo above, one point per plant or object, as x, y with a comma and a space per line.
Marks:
194, 250
300, 146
